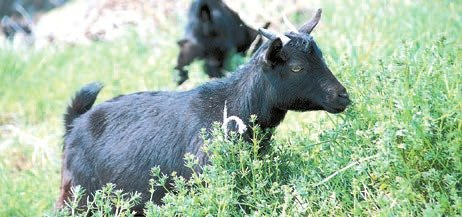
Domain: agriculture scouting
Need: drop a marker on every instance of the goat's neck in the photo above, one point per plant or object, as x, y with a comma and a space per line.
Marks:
252, 95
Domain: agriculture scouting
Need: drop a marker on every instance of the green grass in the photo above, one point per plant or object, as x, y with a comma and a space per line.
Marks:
401, 62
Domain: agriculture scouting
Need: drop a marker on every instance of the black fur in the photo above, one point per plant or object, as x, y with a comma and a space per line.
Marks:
118, 141
212, 32
18, 16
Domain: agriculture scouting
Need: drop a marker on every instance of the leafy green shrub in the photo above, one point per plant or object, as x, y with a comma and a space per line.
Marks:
105, 202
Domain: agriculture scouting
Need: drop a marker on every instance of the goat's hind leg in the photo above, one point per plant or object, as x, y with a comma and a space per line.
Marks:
65, 189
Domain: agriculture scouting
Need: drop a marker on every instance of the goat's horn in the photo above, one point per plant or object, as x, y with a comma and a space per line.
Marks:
267, 34
271, 36
308, 27
289, 24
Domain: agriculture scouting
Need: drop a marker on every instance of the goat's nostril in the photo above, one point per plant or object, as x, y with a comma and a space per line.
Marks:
343, 95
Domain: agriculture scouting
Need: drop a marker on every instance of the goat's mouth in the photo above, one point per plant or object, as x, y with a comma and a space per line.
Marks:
334, 106
334, 110
337, 106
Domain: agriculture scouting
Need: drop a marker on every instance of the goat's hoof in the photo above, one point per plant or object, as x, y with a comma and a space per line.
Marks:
181, 80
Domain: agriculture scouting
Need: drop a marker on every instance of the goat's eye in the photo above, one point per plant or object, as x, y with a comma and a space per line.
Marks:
296, 68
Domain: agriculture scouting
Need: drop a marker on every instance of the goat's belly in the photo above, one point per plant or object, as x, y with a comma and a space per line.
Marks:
126, 160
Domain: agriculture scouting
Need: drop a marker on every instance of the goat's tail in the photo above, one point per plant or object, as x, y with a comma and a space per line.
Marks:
82, 102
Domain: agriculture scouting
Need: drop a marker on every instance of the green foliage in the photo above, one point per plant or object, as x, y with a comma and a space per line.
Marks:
105, 202
397, 151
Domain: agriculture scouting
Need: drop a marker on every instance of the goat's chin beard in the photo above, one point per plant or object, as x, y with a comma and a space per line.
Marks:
303, 106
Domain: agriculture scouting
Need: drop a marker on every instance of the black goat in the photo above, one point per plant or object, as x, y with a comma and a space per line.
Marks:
212, 32
118, 141
18, 16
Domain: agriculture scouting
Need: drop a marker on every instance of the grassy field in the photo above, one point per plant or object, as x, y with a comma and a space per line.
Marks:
397, 151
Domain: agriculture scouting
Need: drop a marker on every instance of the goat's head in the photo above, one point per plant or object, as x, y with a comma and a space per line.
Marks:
207, 12
299, 77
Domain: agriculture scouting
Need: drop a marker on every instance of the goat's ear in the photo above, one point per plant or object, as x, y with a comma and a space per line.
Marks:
205, 14
273, 55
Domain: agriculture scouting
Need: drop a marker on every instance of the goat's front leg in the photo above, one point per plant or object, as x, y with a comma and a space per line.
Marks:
188, 52
214, 66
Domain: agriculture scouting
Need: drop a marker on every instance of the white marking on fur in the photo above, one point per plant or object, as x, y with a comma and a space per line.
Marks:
240, 124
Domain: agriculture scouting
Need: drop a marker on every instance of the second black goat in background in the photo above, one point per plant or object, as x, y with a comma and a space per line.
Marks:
212, 32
